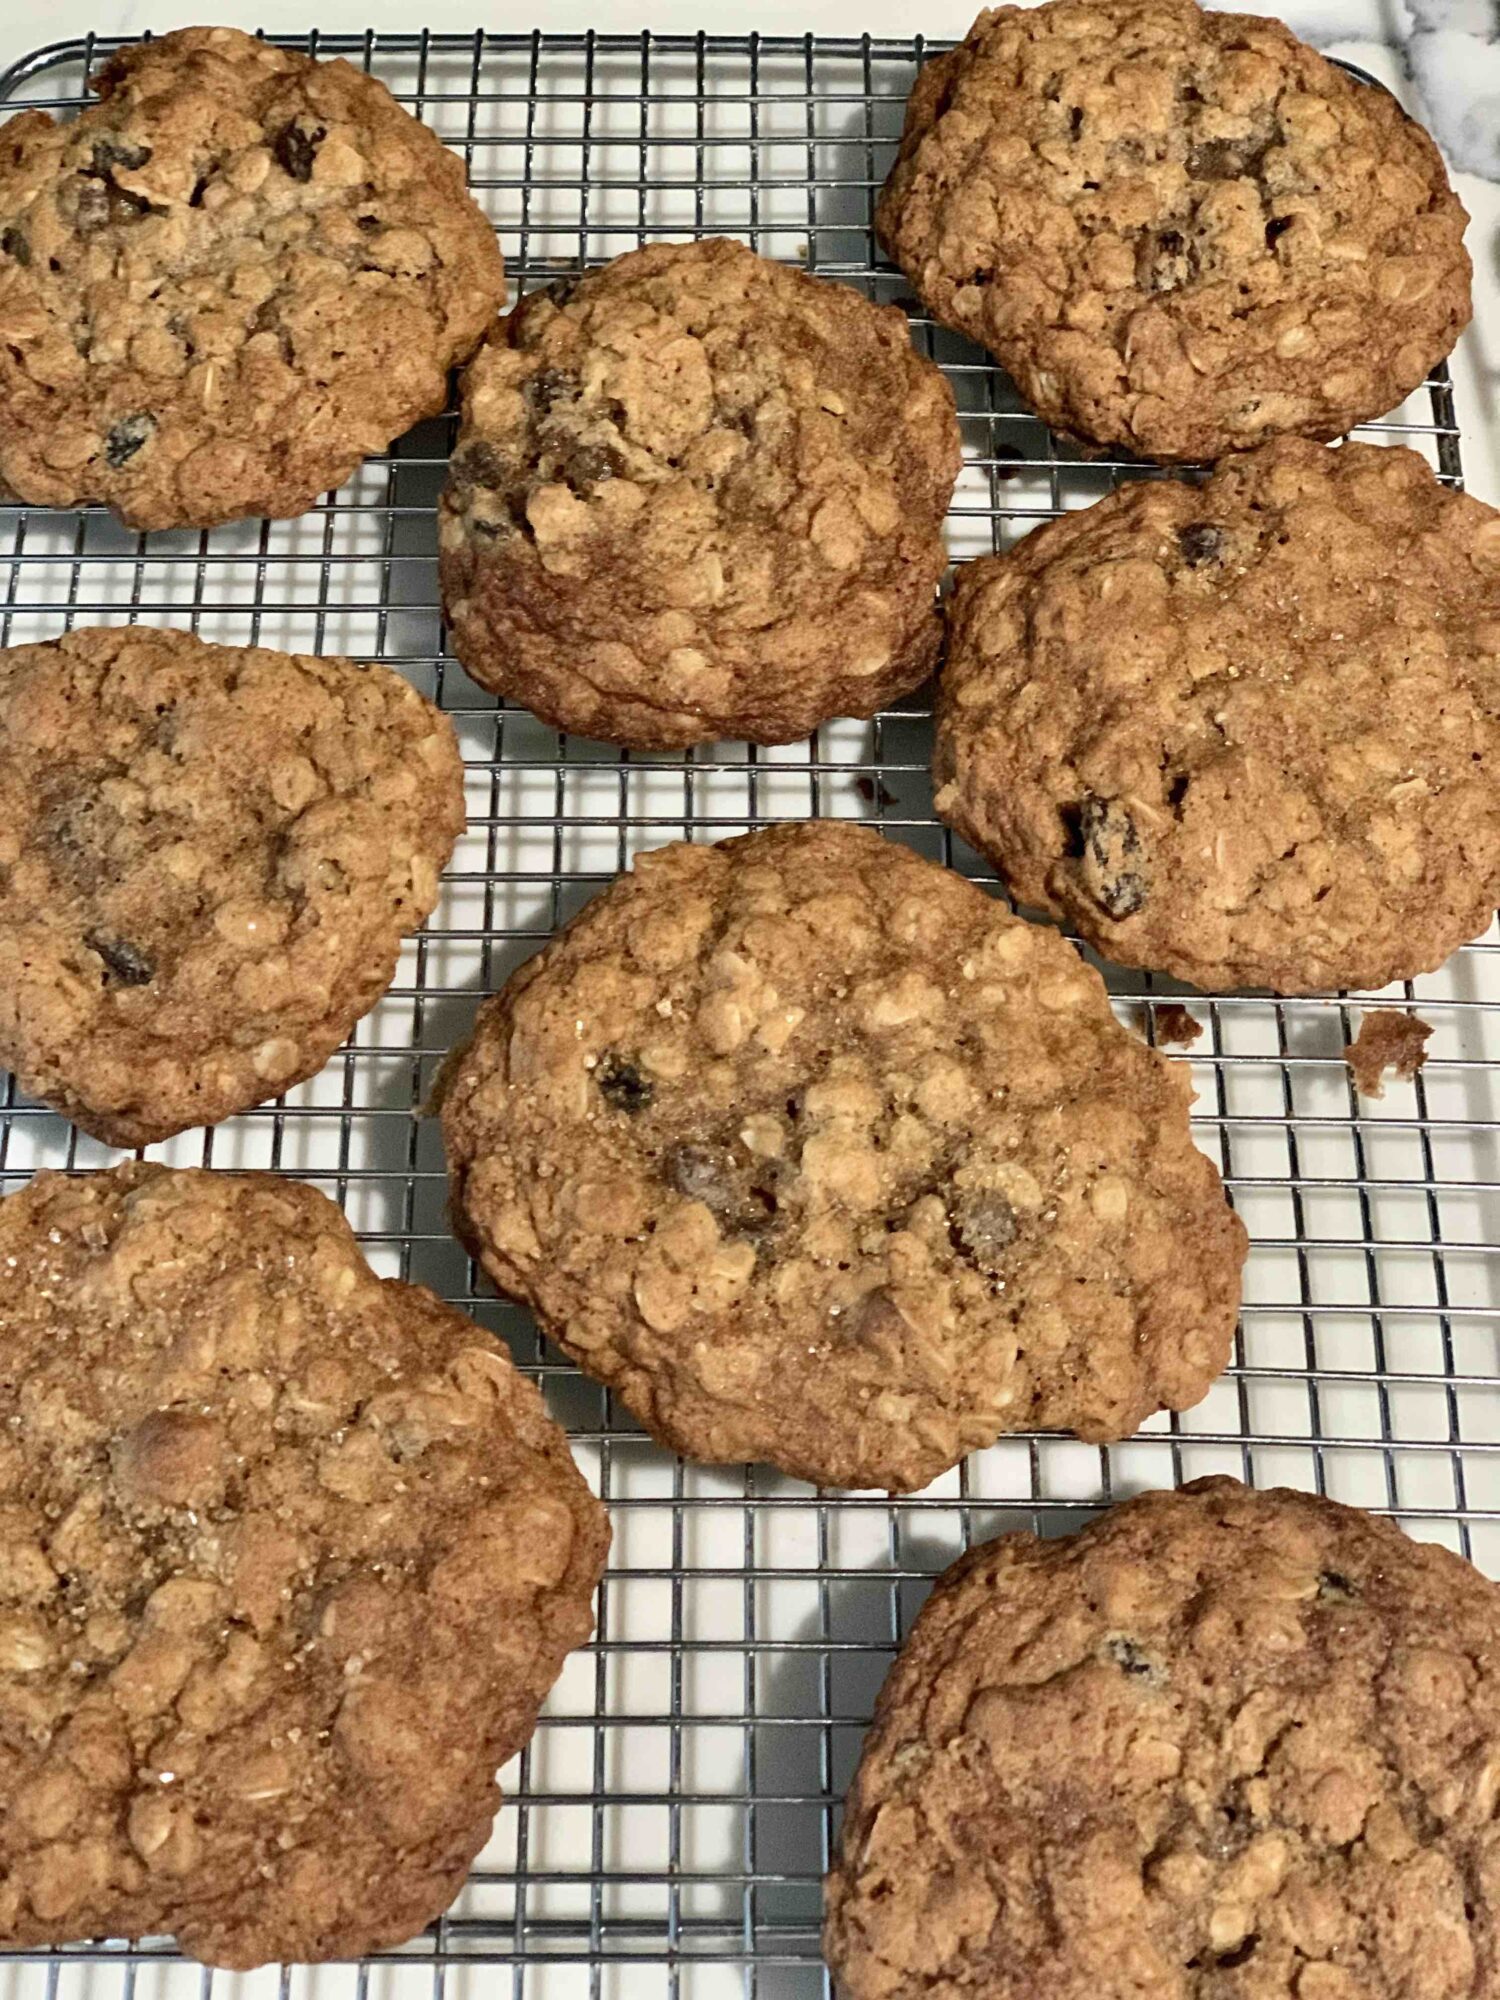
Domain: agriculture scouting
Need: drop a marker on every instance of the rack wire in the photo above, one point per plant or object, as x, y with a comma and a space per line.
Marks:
666, 1831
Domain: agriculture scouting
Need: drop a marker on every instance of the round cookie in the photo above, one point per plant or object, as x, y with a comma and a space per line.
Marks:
1221, 1745
291, 1557
1181, 232
698, 495
227, 282
209, 856
815, 1154
1247, 732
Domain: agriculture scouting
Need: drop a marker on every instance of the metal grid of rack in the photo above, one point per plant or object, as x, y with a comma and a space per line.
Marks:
666, 1830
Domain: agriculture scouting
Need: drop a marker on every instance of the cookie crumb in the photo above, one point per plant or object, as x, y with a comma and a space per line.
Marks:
1176, 1028
1386, 1040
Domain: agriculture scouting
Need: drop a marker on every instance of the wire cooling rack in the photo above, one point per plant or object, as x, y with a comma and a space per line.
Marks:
667, 1829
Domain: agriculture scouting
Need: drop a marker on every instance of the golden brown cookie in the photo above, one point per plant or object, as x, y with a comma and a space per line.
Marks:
1181, 232
697, 494
209, 856
816, 1154
1246, 732
226, 283
1221, 1745
290, 1558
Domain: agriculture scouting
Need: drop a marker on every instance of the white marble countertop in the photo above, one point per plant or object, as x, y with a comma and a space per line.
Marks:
1372, 33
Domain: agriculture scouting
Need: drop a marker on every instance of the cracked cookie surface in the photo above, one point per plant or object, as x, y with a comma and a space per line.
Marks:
1221, 1745
225, 284
209, 856
291, 1556
1181, 232
816, 1154
696, 495
1246, 732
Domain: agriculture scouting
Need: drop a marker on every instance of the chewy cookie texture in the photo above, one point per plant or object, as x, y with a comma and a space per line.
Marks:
1181, 232
227, 282
291, 1556
1245, 732
1221, 1745
699, 495
816, 1154
209, 856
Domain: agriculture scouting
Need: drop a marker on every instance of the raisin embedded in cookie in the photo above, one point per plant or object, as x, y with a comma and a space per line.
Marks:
1221, 1745
696, 495
291, 1557
209, 856
226, 283
1181, 232
1248, 732
816, 1154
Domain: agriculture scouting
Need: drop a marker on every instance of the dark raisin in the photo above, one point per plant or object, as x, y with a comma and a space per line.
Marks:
1226, 159
587, 465
126, 438
1132, 1661
876, 1318
1200, 542
91, 212
101, 203
706, 1174
124, 965
623, 1085
295, 148
1163, 261
1111, 857
743, 1200
481, 465
561, 290
76, 833
1214, 160
1276, 228
547, 387
112, 153
368, 223
125, 206
983, 1226
1075, 122
100, 199
14, 245
1336, 1588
